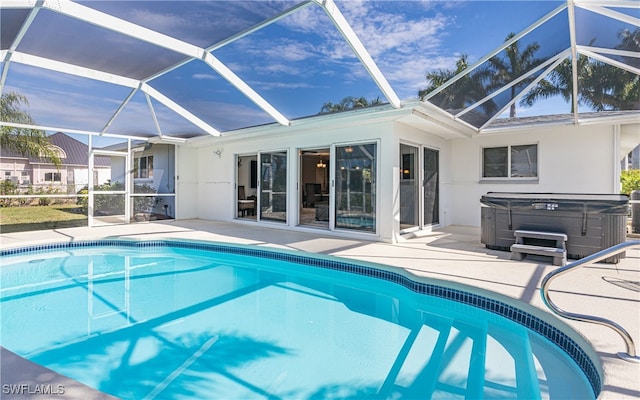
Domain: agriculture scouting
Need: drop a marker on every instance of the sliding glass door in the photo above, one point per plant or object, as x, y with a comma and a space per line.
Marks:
409, 187
419, 188
431, 187
273, 186
314, 184
355, 187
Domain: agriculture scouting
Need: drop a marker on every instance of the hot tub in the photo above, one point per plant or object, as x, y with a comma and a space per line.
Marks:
592, 222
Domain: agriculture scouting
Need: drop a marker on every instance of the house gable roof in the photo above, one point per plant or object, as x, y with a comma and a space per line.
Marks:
77, 153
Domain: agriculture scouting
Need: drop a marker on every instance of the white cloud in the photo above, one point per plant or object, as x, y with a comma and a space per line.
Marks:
404, 45
204, 76
309, 19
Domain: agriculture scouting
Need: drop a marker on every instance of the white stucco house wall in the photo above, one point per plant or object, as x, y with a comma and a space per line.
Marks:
583, 157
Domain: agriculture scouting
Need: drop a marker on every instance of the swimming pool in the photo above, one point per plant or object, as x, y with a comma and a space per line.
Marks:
174, 319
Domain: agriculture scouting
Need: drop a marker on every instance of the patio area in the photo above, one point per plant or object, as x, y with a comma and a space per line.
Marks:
453, 254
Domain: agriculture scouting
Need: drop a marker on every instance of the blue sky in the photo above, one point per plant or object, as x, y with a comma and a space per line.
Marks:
296, 64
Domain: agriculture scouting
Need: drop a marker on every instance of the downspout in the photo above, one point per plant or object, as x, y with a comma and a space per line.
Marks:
617, 170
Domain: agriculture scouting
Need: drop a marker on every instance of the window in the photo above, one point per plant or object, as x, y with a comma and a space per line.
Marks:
143, 167
25, 178
510, 161
53, 177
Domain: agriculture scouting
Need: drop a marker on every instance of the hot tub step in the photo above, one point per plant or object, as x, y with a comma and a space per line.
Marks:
519, 251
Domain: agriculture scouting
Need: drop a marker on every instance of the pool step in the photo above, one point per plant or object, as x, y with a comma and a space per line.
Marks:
551, 244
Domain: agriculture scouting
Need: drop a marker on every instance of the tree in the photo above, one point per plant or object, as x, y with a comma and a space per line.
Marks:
630, 180
630, 41
24, 141
349, 103
516, 63
468, 89
629, 83
600, 86
558, 83
496, 73
441, 76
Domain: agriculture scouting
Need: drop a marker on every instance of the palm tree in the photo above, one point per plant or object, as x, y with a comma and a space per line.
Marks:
441, 76
630, 41
628, 83
558, 83
349, 103
27, 142
467, 89
605, 87
514, 65
600, 86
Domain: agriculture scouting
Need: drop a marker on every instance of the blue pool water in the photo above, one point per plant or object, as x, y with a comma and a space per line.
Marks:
182, 320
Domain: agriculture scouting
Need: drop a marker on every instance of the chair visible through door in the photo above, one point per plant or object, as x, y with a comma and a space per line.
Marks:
312, 194
245, 206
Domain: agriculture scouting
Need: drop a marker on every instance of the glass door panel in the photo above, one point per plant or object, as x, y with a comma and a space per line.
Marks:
355, 189
409, 187
273, 186
431, 187
314, 185
246, 186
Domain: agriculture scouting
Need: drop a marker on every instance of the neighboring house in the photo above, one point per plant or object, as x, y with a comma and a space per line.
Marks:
632, 161
72, 176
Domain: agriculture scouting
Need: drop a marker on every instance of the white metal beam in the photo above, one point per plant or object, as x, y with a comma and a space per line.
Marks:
25, 26
18, 3
179, 109
609, 61
6, 57
610, 3
46, 63
110, 22
574, 60
611, 13
69, 130
120, 108
222, 69
153, 114
104, 20
361, 52
558, 60
514, 82
615, 52
260, 25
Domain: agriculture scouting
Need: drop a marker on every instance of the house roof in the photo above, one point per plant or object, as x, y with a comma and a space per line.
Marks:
183, 69
75, 152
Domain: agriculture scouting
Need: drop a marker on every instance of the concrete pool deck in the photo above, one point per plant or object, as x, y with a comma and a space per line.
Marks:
453, 254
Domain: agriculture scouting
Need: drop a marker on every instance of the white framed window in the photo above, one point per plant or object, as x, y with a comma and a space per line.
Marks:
512, 161
53, 177
143, 167
25, 177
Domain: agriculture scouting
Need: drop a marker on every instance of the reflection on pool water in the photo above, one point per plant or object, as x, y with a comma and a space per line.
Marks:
172, 319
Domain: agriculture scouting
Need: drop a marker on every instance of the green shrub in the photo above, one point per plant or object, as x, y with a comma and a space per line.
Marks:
112, 204
630, 180
45, 201
7, 188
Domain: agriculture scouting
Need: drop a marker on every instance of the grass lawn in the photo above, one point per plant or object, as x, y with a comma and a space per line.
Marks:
33, 218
